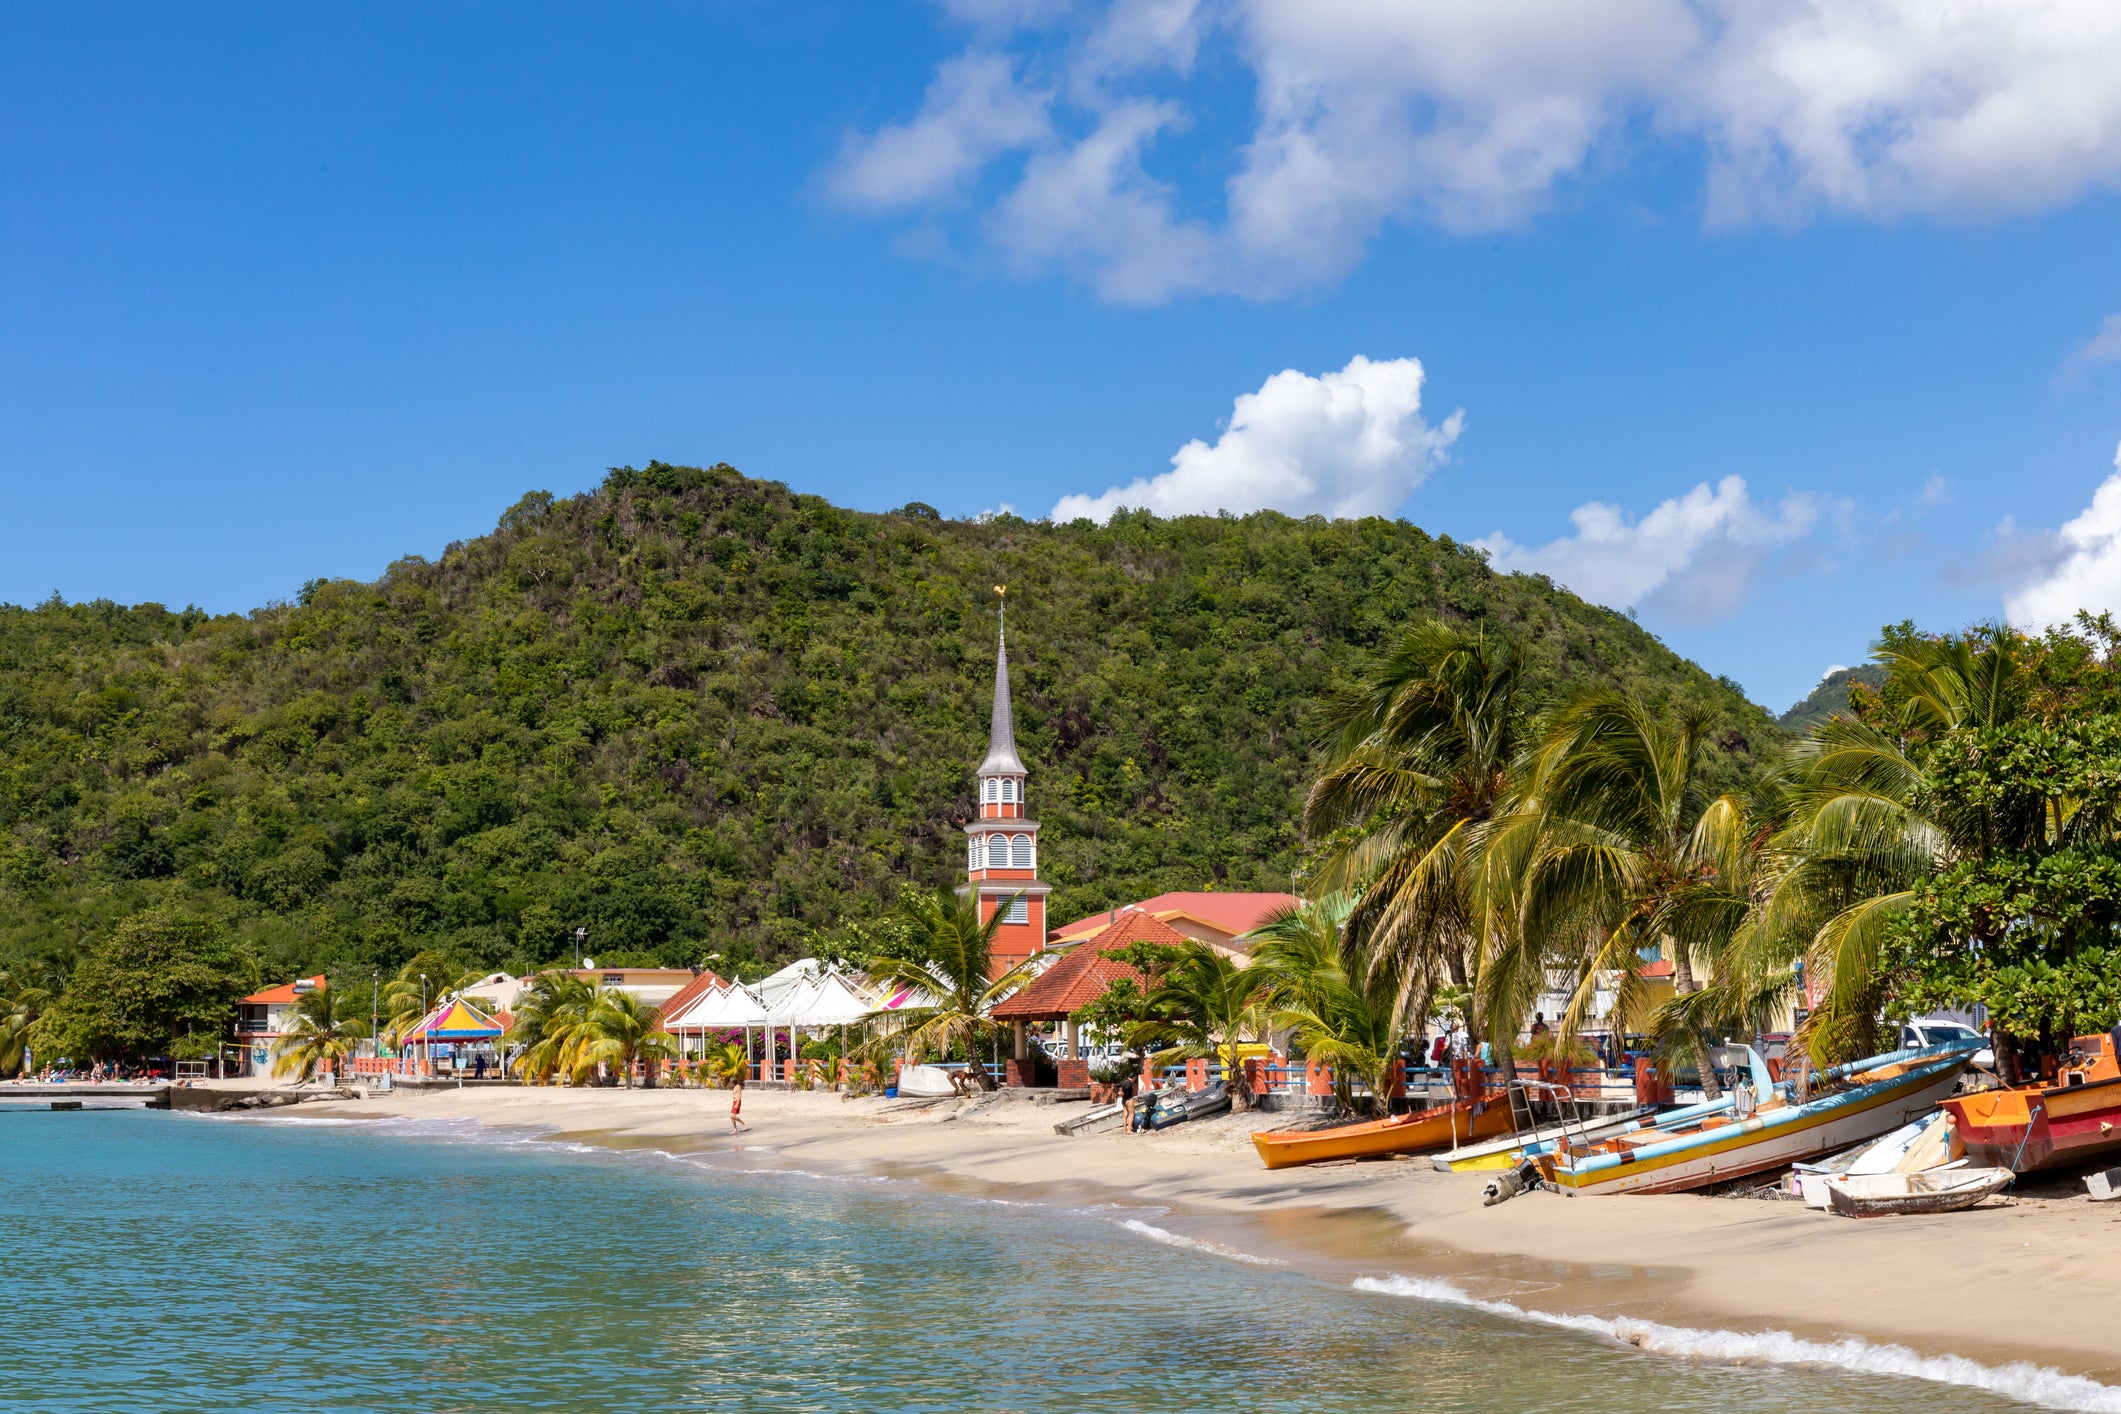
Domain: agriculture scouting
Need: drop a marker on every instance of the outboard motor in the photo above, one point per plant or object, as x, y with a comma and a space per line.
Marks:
1511, 1183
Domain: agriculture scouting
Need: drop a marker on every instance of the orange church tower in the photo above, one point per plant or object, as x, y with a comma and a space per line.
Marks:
1002, 841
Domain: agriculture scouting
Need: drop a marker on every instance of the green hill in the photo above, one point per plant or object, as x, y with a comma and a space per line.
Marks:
699, 714
1830, 697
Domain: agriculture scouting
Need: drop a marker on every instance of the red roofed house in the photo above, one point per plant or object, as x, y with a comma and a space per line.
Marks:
1001, 843
1219, 919
261, 1019
1075, 980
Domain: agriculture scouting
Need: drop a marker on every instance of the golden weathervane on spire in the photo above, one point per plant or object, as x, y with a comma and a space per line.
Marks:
1001, 589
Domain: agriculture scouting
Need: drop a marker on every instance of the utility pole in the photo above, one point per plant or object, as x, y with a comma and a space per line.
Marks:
581, 937
375, 1011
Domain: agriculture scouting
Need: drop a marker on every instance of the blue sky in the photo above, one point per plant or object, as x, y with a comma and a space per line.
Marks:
292, 292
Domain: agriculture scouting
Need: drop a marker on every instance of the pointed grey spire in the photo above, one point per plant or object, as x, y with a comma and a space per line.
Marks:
1002, 759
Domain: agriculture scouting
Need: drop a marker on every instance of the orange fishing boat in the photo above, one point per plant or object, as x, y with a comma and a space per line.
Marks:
2071, 1119
1486, 1118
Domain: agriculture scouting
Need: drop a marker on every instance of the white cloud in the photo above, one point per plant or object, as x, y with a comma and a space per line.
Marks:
2083, 571
974, 112
1351, 443
1693, 558
1469, 114
2101, 348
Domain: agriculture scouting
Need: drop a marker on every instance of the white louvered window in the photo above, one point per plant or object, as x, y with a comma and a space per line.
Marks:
1009, 790
1023, 852
986, 790
1019, 911
972, 852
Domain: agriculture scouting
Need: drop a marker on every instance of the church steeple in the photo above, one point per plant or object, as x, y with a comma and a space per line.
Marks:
1001, 844
1002, 759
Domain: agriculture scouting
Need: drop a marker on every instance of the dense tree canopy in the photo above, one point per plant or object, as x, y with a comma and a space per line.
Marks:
700, 715
162, 979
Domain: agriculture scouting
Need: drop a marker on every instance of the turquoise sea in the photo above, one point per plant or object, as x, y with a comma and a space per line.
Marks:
174, 1263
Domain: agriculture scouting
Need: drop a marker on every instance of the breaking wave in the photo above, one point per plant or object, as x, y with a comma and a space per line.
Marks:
2020, 1380
1173, 1239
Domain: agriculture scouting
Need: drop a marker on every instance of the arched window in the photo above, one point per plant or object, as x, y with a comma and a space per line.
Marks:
972, 852
1016, 791
986, 790
1023, 852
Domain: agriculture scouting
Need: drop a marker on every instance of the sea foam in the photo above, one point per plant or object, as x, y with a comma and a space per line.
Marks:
2020, 1380
1173, 1239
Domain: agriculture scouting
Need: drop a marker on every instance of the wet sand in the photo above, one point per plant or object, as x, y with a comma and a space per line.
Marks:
2034, 1278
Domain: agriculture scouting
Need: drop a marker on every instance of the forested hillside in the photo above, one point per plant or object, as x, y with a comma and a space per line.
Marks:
698, 714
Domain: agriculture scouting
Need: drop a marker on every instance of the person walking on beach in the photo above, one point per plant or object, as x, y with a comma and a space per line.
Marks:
736, 1106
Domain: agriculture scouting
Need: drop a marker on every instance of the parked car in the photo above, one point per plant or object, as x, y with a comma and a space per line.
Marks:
1935, 1031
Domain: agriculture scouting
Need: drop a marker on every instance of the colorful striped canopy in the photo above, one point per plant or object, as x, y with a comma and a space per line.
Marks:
455, 1020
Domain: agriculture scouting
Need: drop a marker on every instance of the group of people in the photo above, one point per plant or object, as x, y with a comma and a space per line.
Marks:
101, 1073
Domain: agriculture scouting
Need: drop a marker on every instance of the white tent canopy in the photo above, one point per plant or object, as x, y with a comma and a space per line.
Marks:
724, 1007
827, 1000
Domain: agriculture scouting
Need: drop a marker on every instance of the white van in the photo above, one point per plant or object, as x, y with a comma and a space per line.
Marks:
1938, 1031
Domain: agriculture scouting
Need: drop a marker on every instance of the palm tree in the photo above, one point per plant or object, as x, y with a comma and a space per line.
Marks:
552, 1026
1862, 834
946, 954
1203, 1003
1335, 1014
420, 983
20, 1006
724, 1062
1422, 756
1604, 850
320, 1035
621, 1031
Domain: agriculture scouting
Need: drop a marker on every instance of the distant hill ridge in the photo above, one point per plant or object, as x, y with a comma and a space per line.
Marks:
1830, 697
698, 714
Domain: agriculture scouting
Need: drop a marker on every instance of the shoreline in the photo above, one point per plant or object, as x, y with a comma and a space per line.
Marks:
2026, 1282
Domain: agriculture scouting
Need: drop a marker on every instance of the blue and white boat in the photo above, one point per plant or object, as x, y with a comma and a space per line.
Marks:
1870, 1097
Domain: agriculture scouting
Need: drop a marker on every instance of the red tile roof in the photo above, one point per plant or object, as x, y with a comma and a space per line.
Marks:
1660, 968
1082, 976
1233, 914
284, 994
685, 996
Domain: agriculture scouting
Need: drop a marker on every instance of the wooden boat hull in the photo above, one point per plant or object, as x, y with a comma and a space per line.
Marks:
2033, 1128
1402, 1134
1906, 1194
1767, 1140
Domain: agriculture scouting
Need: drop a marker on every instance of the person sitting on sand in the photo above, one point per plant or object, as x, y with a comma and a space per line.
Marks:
736, 1104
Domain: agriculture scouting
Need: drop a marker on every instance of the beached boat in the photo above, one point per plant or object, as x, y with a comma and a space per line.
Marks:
1176, 1106
925, 1082
1925, 1144
2072, 1119
1401, 1134
1513, 1149
1094, 1121
1882, 1093
1937, 1190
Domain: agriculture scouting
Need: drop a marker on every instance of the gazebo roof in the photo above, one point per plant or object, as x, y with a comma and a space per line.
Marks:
1082, 976
456, 1020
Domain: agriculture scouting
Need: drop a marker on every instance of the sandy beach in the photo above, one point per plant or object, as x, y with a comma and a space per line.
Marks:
2025, 1279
